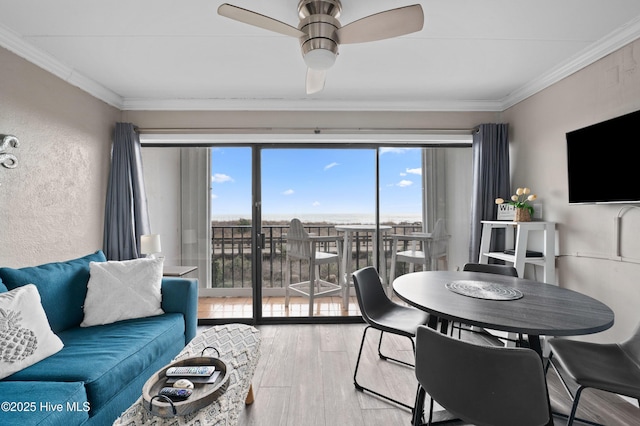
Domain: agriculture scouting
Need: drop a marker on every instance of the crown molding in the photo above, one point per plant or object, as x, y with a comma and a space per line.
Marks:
608, 44
305, 104
16, 44
596, 51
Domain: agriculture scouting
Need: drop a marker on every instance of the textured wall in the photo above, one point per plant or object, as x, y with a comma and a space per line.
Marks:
606, 89
52, 203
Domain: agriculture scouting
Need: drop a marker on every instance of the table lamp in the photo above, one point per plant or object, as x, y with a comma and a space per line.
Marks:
150, 245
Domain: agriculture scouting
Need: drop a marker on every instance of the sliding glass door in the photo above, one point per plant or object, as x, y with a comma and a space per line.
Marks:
325, 189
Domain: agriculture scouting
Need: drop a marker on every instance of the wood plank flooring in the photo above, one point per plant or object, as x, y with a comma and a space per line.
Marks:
305, 377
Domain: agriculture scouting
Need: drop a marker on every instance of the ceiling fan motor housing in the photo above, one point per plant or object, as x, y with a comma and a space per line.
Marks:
318, 20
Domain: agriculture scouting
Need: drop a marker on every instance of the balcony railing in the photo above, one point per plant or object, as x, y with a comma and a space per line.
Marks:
231, 248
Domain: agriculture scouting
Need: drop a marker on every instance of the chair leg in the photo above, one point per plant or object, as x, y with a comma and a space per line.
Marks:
362, 388
387, 358
418, 411
574, 407
287, 281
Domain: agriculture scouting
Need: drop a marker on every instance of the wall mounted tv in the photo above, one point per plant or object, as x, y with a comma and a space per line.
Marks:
603, 164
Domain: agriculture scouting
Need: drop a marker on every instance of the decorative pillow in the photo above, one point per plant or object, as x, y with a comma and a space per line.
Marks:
25, 334
120, 290
62, 287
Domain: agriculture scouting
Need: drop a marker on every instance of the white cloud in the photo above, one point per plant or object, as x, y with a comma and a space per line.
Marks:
393, 150
332, 165
214, 196
288, 192
221, 178
315, 203
404, 183
416, 171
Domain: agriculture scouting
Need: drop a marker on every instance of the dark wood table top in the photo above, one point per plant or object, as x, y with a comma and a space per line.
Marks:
543, 310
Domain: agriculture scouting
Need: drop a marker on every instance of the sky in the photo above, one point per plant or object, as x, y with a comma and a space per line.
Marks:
316, 181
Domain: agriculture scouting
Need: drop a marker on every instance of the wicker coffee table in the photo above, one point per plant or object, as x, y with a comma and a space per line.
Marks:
239, 348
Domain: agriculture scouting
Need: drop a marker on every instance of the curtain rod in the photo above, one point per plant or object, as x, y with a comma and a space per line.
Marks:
306, 130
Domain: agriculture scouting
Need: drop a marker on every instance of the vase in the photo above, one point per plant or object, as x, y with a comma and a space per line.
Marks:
523, 215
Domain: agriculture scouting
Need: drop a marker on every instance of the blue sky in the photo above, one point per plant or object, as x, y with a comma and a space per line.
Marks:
317, 181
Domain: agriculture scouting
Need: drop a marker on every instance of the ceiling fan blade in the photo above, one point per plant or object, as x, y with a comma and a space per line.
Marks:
315, 80
383, 25
257, 20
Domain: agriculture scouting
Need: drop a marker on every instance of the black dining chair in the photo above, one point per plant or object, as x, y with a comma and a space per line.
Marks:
381, 313
482, 385
610, 367
490, 268
487, 268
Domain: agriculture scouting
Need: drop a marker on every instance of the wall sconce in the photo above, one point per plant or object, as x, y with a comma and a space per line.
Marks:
150, 245
8, 160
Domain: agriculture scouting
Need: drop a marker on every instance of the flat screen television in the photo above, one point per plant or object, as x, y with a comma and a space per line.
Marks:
603, 163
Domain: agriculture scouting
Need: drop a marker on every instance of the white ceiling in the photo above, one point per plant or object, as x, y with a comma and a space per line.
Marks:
169, 54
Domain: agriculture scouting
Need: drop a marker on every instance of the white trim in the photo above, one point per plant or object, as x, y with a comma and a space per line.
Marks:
249, 104
463, 138
608, 44
12, 41
603, 47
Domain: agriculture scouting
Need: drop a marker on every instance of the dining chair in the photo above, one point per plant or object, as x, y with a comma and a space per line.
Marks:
487, 268
490, 268
381, 313
482, 385
426, 249
610, 367
301, 246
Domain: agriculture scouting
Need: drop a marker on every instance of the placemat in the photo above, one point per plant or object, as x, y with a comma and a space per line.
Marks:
483, 290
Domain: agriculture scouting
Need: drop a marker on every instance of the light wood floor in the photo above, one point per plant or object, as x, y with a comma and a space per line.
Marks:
305, 377
242, 307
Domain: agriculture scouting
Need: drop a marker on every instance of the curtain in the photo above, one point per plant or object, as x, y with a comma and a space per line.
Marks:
195, 193
126, 215
490, 181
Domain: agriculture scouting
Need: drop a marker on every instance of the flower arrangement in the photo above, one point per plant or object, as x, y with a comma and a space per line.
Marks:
521, 199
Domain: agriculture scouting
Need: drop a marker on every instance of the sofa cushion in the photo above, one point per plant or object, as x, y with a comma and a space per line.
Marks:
25, 334
62, 287
108, 357
43, 403
120, 290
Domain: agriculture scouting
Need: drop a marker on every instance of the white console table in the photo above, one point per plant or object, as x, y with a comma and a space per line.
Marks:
519, 258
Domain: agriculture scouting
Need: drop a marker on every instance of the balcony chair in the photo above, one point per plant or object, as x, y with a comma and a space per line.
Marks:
482, 385
302, 246
427, 249
610, 367
381, 313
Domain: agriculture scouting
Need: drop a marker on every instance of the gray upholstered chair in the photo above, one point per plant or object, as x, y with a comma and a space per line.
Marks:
489, 268
613, 367
486, 268
483, 385
381, 313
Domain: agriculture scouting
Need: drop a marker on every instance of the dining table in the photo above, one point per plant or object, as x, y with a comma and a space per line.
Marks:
496, 302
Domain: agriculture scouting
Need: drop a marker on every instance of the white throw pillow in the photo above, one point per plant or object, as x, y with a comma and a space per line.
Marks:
25, 333
120, 290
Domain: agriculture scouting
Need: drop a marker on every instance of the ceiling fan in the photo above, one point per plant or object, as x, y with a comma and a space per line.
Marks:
320, 32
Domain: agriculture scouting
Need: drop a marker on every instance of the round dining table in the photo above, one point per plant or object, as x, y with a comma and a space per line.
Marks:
504, 303
497, 302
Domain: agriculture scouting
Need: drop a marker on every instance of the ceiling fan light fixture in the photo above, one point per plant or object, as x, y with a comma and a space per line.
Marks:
319, 59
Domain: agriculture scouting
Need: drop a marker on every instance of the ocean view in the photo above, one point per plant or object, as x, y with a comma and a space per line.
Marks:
338, 219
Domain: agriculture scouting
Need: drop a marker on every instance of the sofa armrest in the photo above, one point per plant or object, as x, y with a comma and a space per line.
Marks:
181, 295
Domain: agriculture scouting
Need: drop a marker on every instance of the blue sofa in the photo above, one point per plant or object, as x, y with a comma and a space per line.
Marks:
101, 369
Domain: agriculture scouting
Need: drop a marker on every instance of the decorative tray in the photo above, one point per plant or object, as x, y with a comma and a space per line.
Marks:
203, 393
